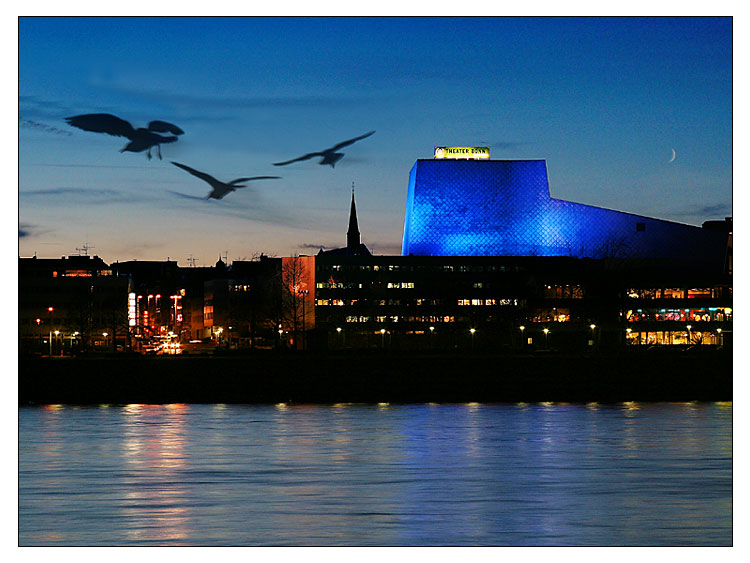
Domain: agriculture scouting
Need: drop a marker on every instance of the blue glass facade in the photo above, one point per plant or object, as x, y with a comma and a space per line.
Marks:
504, 208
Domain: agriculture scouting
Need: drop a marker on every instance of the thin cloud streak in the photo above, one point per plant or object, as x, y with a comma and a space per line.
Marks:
258, 212
228, 102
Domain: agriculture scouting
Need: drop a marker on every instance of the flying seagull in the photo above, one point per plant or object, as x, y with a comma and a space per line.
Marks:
141, 139
220, 189
329, 156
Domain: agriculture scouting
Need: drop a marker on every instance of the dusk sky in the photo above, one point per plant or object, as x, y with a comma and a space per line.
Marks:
630, 114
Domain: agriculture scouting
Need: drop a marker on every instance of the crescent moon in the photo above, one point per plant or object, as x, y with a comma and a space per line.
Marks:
674, 155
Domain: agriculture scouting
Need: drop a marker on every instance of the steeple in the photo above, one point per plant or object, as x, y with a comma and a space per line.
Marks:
352, 235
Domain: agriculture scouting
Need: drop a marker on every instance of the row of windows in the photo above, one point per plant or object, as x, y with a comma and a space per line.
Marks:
410, 268
417, 302
550, 291
551, 316
81, 273
674, 293
397, 318
563, 292
485, 302
673, 338
715, 314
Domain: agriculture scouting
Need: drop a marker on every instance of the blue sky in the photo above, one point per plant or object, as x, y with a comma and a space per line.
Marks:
603, 101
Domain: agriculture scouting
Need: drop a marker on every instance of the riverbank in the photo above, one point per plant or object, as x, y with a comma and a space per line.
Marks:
370, 378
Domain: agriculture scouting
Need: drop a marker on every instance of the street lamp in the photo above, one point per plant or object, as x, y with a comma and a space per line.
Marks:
522, 328
690, 335
338, 336
57, 332
472, 331
432, 330
50, 310
592, 327
546, 332
304, 293
105, 335
382, 338
718, 330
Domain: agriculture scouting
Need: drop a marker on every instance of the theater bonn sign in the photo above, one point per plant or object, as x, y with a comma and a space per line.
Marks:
469, 153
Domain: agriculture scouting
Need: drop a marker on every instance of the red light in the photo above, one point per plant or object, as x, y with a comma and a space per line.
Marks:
50, 309
39, 321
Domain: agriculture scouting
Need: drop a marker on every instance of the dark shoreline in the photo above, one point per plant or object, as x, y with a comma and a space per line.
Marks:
269, 378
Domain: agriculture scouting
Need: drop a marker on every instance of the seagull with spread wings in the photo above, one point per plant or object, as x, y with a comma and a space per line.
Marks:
329, 156
141, 139
220, 189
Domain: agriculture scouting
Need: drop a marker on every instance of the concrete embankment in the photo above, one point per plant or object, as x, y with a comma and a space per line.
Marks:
372, 378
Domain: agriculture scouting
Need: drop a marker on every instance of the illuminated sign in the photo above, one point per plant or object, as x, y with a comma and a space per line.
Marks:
131, 309
469, 153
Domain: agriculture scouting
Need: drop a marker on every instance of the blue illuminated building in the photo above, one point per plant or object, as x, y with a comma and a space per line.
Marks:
504, 208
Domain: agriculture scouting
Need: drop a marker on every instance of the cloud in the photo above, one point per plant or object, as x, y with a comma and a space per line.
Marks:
702, 212
28, 123
42, 108
503, 145
380, 248
202, 102
384, 248
77, 196
234, 206
317, 246
68, 191
26, 230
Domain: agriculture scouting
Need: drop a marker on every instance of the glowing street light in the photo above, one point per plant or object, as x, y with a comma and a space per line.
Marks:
690, 335
50, 310
522, 328
382, 338
546, 332
472, 331
592, 327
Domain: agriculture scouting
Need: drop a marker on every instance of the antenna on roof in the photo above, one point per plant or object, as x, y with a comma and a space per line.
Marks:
191, 261
84, 249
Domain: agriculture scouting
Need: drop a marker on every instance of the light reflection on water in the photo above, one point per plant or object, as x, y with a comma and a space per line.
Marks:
454, 474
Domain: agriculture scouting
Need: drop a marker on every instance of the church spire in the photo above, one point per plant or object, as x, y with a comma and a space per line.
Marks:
352, 235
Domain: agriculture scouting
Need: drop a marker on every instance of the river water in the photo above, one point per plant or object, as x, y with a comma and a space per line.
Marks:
394, 475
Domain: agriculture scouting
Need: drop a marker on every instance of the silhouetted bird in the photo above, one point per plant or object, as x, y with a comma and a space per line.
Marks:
330, 156
140, 139
220, 189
